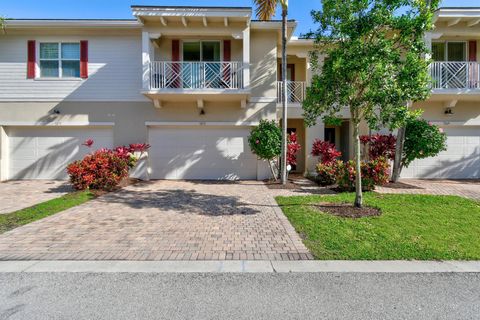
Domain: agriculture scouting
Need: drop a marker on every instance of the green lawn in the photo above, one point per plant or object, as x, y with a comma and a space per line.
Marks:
21, 217
421, 227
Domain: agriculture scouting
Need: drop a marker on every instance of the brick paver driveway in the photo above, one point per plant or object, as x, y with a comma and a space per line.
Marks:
464, 188
16, 195
163, 220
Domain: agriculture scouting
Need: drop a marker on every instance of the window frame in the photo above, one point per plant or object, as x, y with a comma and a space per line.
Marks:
201, 49
446, 49
59, 60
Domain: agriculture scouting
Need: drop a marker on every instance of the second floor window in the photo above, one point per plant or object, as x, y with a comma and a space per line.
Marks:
201, 51
59, 60
449, 51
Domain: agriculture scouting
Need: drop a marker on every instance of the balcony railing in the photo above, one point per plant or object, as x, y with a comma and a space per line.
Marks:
296, 91
196, 75
455, 75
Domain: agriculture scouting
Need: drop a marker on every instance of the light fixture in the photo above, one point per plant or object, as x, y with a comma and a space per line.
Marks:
202, 112
56, 111
448, 111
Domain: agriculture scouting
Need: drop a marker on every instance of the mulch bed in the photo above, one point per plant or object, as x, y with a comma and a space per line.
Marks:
347, 210
275, 185
399, 185
124, 183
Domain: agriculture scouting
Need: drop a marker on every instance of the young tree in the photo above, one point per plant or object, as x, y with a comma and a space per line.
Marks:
265, 141
266, 11
374, 64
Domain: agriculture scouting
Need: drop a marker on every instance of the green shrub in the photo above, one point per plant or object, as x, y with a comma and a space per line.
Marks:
326, 174
374, 172
422, 140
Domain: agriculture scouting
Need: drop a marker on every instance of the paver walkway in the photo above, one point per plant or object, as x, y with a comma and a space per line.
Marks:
16, 195
164, 220
464, 188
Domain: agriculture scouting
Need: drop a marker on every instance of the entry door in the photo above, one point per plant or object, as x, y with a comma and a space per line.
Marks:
330, 135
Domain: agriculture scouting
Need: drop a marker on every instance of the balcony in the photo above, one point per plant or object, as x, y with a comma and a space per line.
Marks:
296, 91
196, 75
455, 76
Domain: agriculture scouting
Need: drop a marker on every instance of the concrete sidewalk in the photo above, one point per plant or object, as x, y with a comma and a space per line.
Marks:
241, 266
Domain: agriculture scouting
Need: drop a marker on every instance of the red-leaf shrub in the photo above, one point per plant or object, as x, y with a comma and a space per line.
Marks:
380, 145
326, 151
104, 169
292, 149
101, 170
374, 172
326, 174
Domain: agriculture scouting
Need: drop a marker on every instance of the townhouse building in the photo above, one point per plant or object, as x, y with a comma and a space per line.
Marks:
191, 82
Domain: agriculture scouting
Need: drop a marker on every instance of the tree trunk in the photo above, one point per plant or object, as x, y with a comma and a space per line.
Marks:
283, 159
397, 162
358, 175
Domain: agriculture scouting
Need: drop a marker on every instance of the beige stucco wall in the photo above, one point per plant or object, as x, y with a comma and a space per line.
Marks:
463, 111
130, 117
263, 58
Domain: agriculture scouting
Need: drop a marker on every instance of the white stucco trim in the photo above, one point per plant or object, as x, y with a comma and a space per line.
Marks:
467, 123
57, 123
71, 100
201, 123
263, 99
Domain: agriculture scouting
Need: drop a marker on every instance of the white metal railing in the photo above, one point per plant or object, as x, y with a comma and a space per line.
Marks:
296, 91
455, 75
196, 75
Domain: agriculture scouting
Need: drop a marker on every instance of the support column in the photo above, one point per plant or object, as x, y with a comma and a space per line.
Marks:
3, 154
311, 133
146, 61
246, 57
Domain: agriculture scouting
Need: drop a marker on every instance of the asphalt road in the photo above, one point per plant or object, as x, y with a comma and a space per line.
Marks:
239, 296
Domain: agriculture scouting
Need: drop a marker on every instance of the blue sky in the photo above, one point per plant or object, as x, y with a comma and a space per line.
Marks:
299, 9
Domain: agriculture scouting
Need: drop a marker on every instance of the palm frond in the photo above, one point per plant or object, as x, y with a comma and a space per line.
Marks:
265, 9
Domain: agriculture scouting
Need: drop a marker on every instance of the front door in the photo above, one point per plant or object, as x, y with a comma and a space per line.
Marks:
330, 135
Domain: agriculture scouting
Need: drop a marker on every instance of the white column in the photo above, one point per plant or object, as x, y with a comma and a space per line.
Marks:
3, 154
428, 44
246, 57
146, 61
311, 133
308, 66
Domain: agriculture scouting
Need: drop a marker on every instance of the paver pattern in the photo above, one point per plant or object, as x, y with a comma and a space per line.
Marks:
464, 188
164, 220
16, 195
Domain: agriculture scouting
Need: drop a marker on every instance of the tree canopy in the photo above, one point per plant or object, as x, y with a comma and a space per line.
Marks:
374, 62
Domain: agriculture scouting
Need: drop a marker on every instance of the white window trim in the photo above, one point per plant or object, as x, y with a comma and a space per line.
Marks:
60, 77
201, 50
446, 49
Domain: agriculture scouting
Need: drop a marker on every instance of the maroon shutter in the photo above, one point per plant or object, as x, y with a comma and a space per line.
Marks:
175, 50
227, 50
227, 68
176, 57
472, 50
31, 59
84, 59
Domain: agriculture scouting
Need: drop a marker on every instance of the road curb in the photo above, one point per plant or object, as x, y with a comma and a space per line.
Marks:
242, 266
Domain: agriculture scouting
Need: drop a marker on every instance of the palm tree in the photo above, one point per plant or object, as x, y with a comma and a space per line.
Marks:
266, 11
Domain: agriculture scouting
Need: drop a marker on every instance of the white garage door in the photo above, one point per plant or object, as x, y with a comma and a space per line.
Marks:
461, 160
44, 152
212, 153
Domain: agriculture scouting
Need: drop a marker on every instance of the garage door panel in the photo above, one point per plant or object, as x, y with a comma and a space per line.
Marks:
44, 152
461, 160
201, 153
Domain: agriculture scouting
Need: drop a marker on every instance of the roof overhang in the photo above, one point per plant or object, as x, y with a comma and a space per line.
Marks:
453, 16
154, 13
69, 23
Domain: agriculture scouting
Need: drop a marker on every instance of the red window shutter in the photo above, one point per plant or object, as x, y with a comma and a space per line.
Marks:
227, 50
472, 50
31, 59
175, 50
84, 59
